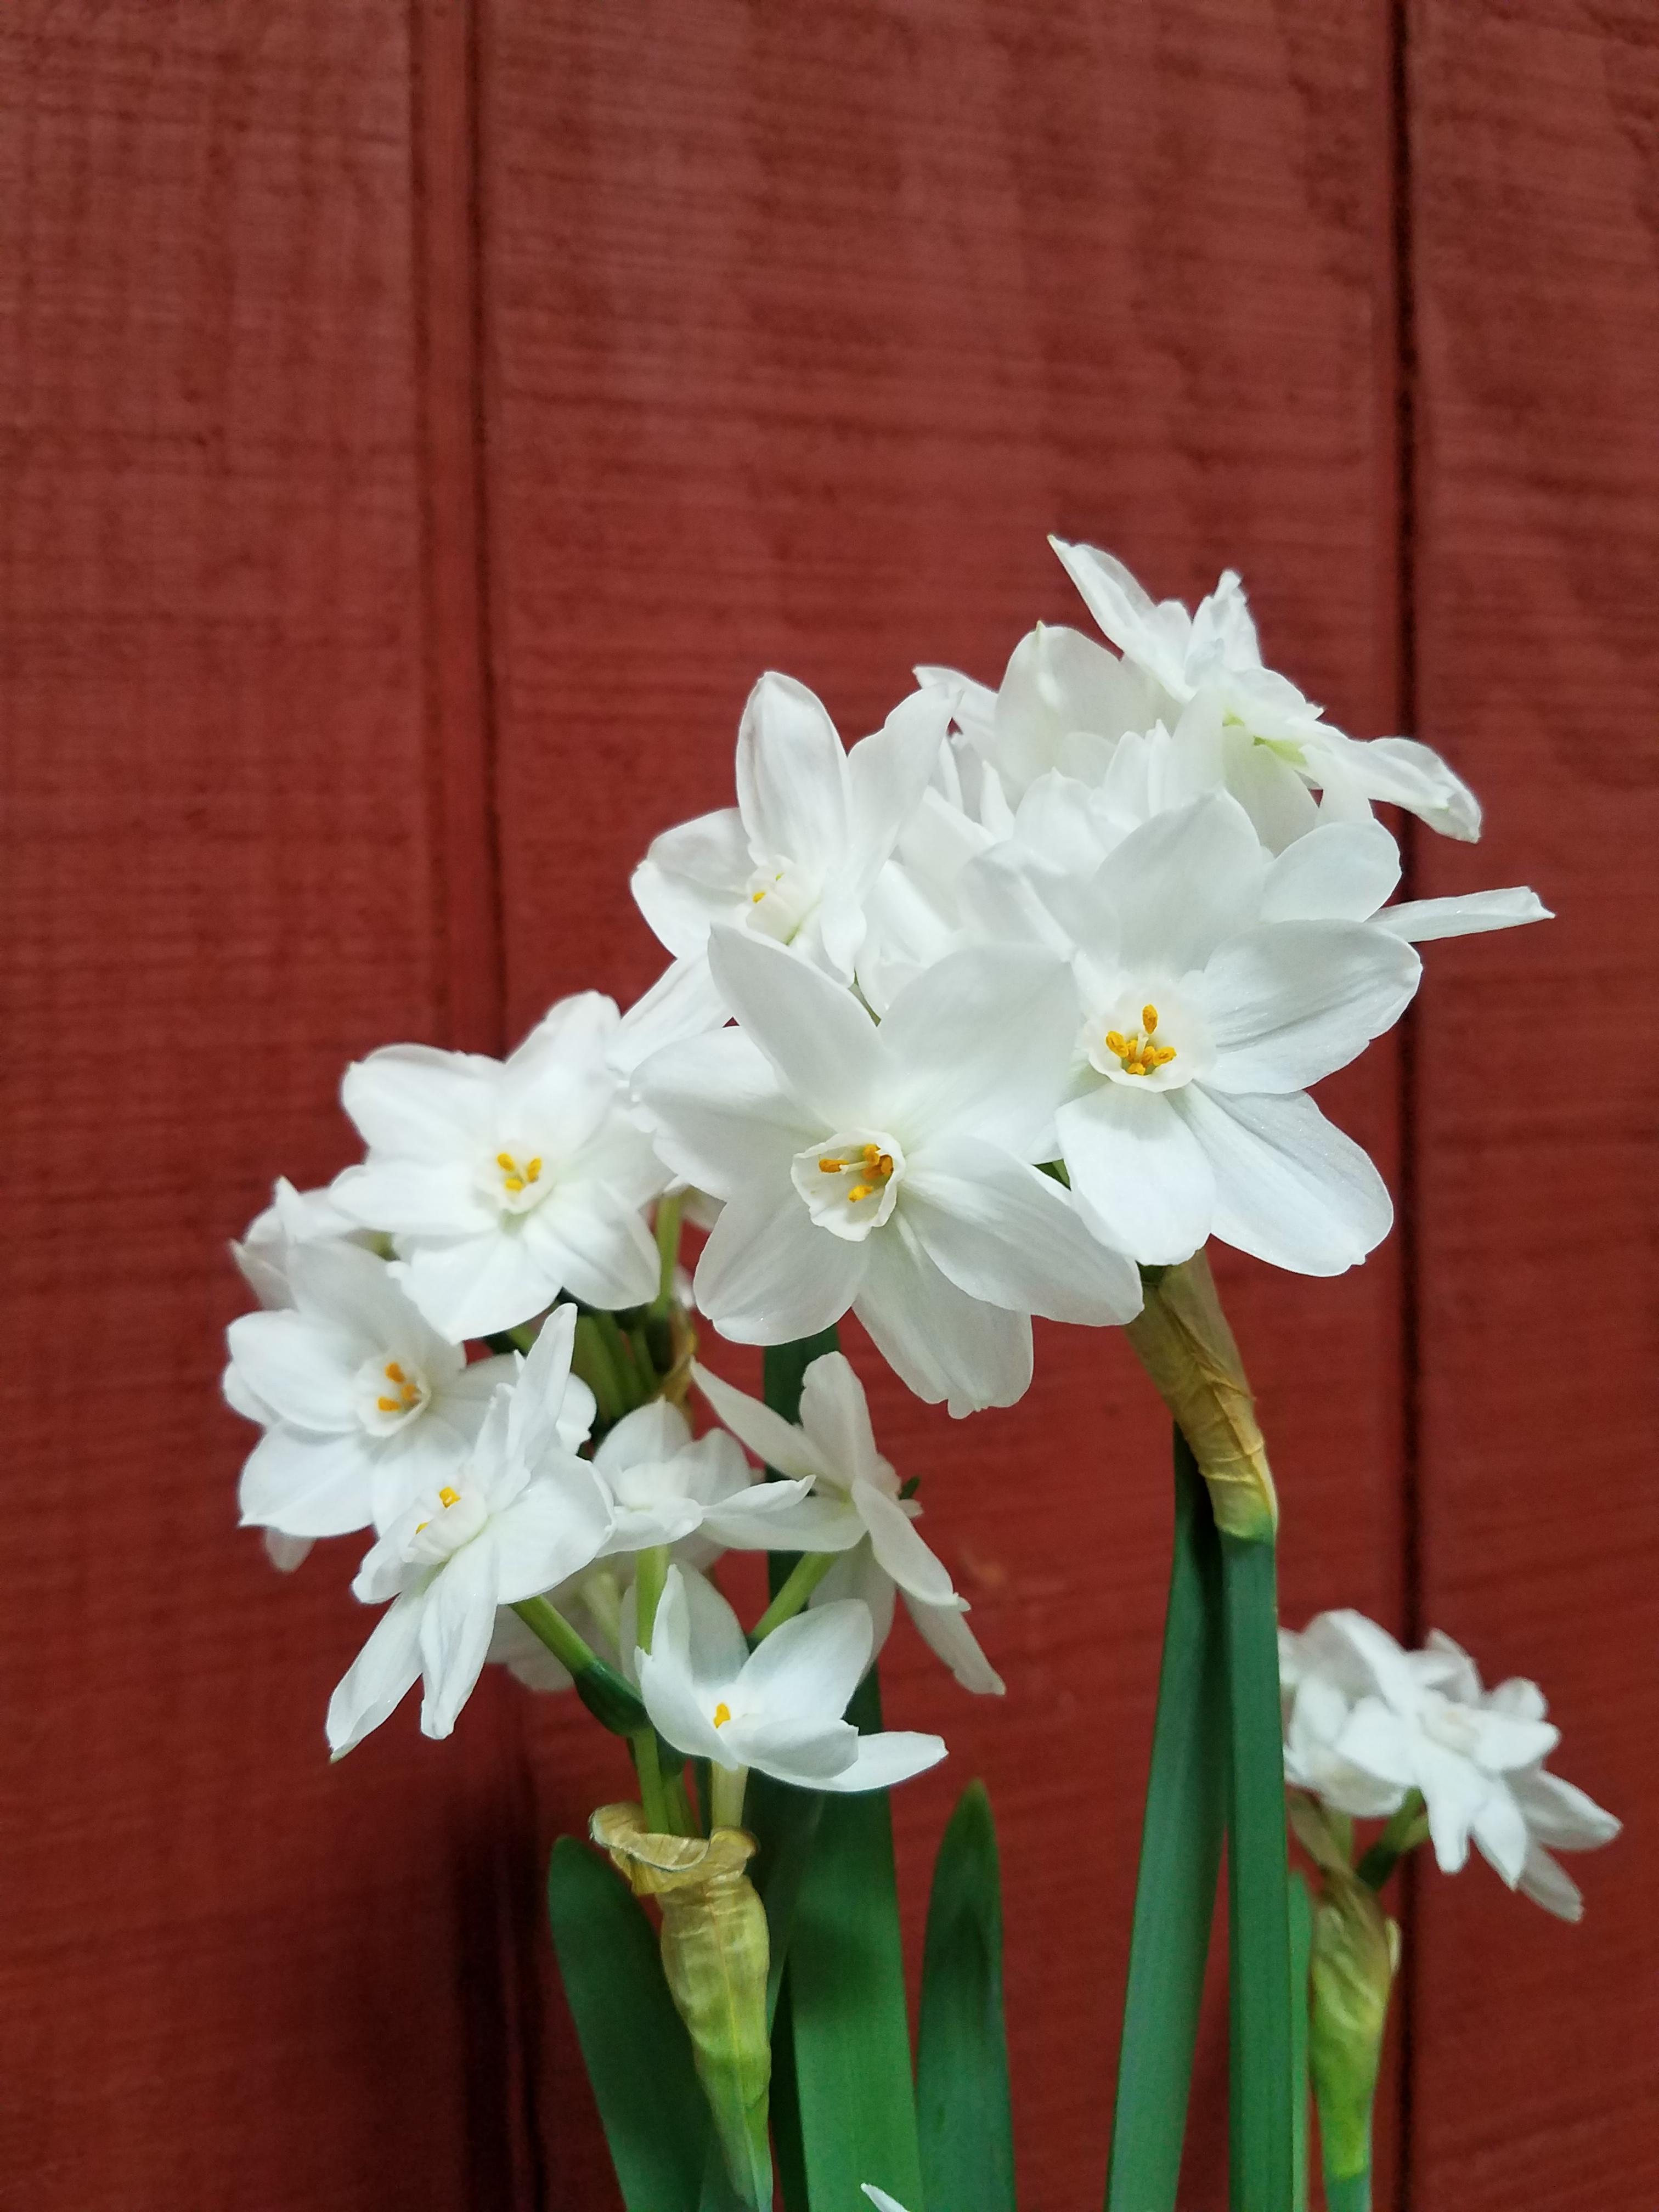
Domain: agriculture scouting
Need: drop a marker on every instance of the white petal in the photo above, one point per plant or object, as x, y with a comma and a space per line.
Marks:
592, 1245
1005, 1233
898, 1548
1415, 777
805, 1670
650, 1436
945, 1630
1501, 1834
1183, 883
415, 1102
554, 1528
882, 1760
1340, 871
834, 1415
380, 1676
720, 1113
984, 1042
477, 1285
791, 775
1291, 1188
457, 1623
1421, 921
1139, 1177
1560, 1815
417, 1198
703, 1630
1456, 1792
692, 876
940, 1342
886, 775
1551, 1886
1294, 1001
304, 1485
1155, 635
767, 1274
779, 1443
827, 1051
779, 1516
305, 1371
682, 1003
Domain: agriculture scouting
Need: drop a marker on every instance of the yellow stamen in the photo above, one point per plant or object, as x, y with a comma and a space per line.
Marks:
394, 1373
1149, 1019
534, 1171
722, 1713
389, 1404
446, 1497
506, 1160
1137, 1054
1117, 1043
830, 1167
858, 1190
884, 1166
515, 1183
755, 897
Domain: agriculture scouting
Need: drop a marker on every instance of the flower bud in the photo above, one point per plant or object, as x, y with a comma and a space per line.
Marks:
1355, 1950
1187, 1347
715, 1954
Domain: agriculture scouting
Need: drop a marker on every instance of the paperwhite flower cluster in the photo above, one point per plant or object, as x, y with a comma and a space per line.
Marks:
965, 1025
1366, 1724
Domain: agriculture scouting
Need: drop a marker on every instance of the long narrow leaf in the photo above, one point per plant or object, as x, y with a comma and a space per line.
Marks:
964, 2118
1301, 1959
636, 2052
1260, 2130
846, 2010
1180, 1862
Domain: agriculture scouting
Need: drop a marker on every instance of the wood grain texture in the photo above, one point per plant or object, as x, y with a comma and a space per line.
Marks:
1536, 214
803, 327
229, 1976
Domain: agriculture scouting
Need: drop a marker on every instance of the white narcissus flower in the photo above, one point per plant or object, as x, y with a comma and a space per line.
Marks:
364, 1405
503, 1184
943, 1628
1277, 748
1420, 1720
797, 857
888, 1169
778, 1708
665, 1486
293, 1218
521, 1515
832, 1452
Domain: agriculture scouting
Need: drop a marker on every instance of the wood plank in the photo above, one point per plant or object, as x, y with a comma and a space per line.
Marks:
230, 1976
803, 328
1537, 2046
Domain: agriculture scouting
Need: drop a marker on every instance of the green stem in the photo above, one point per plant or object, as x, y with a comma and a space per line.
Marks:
1180, 1858
1260, 2128
1404, 1832
633, 1387
804, 1577
728, 1785
570, 1648
1301, 1964
654, 1794
670, 1211
612, 1702
591, 1360
1348, 2192
650, 1573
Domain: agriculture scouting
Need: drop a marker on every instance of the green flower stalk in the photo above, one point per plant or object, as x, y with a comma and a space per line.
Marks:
1356, 1955
715, 1955
1185, 1346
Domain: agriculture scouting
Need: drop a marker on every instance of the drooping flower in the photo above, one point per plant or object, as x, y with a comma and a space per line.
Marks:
1277, 748
504, 1183
364, 1405
888, 1169
832, 1452
665, 1486
521, 1515
796, 858
1201, 1024
1421, 1720
778, 1708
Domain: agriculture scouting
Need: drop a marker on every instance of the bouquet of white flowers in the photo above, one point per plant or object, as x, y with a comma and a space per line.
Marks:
1006, 1011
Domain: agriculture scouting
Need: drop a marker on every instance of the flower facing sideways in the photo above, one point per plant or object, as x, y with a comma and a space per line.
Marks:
1421, 1720
364, 1405
778, 1708
665, 1486
504, 1183
888, 1169
522, 1514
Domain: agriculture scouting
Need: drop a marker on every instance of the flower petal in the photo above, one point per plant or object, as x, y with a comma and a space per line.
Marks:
1140, 1178
791, 775
592, 1244
805, 1670
415, 1102
772, 1439
692, 876
306, 1485
827, 1051
1183, 883
477, 1285
768, 1274
983, 1040
1560, 1815
457, 1623
1293, 1001
719, 1114
893, 1756
834, 1415
899, 1549
1005, 1233
1340, 871
305, 1371
380, 1676
945, 1630
1291, 1188
940, 1342
1421, 921
557, 1525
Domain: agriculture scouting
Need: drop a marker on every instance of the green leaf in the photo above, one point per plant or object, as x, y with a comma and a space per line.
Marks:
963, 2117
1301, 1961
636, 2052
847, 2013
1180, 1863
1258, 1887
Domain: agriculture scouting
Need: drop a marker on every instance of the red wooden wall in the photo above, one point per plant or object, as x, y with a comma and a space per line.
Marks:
421, 421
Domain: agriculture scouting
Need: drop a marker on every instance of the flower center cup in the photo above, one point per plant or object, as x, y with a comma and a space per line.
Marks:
517, 1180
780, 901
1150, 1044
454, 1518
850, 1181
390, 1394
